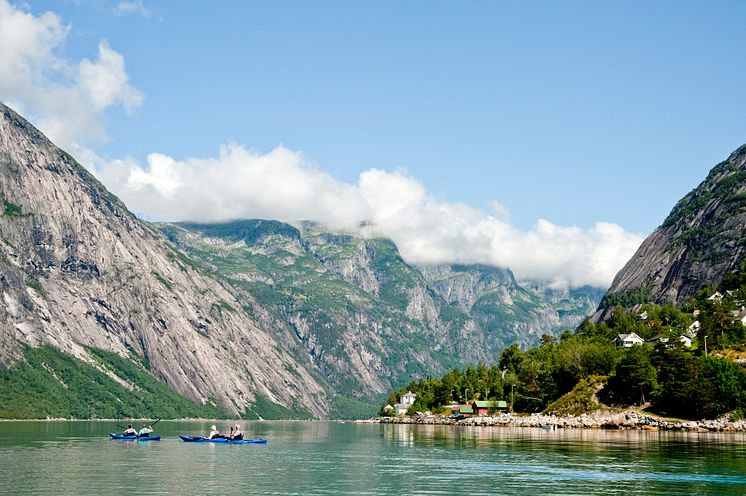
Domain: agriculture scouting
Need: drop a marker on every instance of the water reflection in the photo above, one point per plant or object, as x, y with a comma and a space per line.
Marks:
331, 458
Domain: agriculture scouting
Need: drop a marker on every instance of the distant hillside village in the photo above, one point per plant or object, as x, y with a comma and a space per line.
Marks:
686, 336
474, 408
687, 362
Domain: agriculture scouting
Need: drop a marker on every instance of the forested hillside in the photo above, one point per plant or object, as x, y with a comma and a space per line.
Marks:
664, 374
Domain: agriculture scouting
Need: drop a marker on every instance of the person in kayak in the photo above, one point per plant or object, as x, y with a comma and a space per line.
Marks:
236, 433
129, 431
147, 430
214, 434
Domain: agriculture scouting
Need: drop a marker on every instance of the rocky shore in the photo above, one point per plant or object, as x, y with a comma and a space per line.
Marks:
628, 419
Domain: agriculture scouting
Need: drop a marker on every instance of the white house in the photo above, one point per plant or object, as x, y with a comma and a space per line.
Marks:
693, 329
627, 340
740, 316
408, 398
662, 338
659, 338
405, 401
643, 316
716, 296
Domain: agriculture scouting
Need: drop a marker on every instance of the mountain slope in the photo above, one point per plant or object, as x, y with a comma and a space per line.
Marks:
366, 319
369, 320
702, 240
509, 311
260, 318
79, 270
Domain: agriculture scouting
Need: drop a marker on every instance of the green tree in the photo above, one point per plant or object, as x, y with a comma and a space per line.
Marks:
634, 381
511, 358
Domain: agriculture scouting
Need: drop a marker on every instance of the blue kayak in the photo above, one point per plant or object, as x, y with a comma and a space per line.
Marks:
221, 440
138, 438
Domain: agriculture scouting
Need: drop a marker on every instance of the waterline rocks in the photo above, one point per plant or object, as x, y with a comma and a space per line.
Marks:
602, 419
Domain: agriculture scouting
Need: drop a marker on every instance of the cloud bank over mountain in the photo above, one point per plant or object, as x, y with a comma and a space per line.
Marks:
241, 183
69, 99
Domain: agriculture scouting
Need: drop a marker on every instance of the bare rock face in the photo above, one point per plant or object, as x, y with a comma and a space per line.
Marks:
700, 242
509, 311
78, 270
366, 320
463, 285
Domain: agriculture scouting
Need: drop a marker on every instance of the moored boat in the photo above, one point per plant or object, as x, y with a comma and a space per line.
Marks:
220, 440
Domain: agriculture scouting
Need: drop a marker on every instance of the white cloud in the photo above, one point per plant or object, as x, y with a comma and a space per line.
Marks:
106, 82
137, 7
68, 100
281, 184
65, 99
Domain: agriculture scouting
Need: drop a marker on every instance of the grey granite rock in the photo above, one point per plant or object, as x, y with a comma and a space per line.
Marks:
78, 270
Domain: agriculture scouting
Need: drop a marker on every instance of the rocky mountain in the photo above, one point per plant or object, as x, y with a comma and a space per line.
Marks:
702, 240
369, 319
253, 318
80, 272
510, 311
366, 318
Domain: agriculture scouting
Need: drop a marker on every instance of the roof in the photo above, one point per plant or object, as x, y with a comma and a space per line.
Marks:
465, 409
410, 393
490, 404
631, 335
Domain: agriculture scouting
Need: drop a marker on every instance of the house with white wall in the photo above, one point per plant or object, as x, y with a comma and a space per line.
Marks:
627, 340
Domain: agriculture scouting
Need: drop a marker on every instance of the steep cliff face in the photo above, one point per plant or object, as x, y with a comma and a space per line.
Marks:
572, 305
702, 240
464, 285
78, 270
365, 318
509, 311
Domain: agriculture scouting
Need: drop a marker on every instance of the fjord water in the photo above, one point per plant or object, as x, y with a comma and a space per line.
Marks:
73, 458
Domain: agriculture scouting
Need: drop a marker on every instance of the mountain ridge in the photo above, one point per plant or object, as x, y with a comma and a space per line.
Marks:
250, 316
79, 270
483, 305
696, 246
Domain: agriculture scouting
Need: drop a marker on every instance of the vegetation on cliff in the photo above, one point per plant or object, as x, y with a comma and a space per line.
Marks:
663, 374
698, 244
52, 384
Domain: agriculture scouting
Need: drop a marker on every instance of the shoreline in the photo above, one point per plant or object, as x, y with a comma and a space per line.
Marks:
604, 419
63, 419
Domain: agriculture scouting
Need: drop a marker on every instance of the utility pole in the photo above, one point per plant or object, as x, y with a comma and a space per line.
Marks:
705, 344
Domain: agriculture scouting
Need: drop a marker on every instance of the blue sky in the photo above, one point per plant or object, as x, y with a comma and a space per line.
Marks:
574, 112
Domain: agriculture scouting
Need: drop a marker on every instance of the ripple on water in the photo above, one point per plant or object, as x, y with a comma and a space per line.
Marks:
331, 459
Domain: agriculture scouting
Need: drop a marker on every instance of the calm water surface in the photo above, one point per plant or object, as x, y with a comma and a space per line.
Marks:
76, 458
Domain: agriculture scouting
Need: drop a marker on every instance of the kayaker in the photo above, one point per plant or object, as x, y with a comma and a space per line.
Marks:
146, 430
213, 433
129, 431
236, 432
